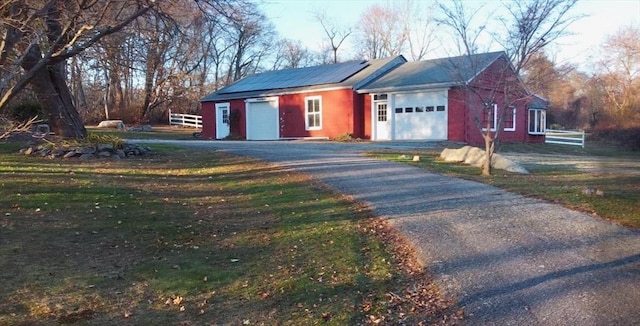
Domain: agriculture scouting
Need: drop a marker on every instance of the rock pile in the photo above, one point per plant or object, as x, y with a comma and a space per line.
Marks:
85, 152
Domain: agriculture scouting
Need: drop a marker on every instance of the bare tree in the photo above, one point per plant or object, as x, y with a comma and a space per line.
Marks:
293, 54
39, 36
382, 32
336, 35
533, 24
620, 76
419, 27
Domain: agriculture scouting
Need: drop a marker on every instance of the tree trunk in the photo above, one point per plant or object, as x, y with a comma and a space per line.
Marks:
489, 148
54, 95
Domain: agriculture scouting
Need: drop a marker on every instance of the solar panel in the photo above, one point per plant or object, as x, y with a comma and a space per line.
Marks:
308, 76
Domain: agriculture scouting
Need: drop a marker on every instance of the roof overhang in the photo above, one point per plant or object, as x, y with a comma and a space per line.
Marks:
398, 89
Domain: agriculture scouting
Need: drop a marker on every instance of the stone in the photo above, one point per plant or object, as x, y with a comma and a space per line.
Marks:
416, 158
86, 156
104, 154
117, 124
69, 154
102, 147
475, 156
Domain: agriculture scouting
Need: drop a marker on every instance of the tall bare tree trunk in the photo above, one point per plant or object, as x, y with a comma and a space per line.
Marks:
53, 93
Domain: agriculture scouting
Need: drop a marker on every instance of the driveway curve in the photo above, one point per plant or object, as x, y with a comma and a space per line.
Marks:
507, 259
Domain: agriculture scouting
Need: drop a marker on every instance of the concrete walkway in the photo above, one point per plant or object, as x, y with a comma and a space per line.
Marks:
508, 260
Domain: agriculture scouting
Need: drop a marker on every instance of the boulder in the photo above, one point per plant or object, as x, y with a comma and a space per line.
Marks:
476, 156
117, 124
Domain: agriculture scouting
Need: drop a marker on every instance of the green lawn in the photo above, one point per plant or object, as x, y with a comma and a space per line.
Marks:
196, 238
563, 184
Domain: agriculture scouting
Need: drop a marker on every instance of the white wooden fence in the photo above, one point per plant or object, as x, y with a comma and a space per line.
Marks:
188, 120
564, 137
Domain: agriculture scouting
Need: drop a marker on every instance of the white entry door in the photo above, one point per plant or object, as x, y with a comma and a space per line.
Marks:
222, 120
382, 123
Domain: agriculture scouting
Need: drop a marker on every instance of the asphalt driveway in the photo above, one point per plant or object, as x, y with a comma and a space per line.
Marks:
508, 260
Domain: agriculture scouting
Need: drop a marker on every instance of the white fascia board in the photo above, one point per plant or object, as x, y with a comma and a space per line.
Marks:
411, 88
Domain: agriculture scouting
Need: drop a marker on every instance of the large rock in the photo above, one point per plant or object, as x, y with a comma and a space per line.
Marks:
476, 156
117, 124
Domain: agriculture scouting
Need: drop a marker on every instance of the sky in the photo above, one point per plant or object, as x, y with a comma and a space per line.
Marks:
294, 19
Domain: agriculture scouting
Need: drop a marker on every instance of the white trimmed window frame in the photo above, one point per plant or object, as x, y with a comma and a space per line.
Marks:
494, 116
308, 114
538, 124
513, 118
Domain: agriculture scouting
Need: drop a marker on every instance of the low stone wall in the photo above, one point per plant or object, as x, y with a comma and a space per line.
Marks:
85, 152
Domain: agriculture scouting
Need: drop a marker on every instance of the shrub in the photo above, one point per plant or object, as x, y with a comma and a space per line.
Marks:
96, 139
24, 111
628, 138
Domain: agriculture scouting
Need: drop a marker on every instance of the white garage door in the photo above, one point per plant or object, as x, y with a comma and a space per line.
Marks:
262, 120
420, 116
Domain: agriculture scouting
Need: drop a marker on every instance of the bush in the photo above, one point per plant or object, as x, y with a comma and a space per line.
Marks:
627, 138
97, 139
24, 111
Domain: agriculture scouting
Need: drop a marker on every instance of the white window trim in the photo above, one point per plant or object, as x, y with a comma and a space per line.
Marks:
306, 112
539, 116
513, 109
494, 117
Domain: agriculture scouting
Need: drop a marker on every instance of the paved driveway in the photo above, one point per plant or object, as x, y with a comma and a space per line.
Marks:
507, 259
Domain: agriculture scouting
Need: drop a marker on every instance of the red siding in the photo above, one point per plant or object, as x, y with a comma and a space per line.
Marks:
208, 112
339, 114
366, 133
456, 120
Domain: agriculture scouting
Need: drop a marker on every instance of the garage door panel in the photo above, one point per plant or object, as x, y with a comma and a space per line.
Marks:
262, 120
429, 122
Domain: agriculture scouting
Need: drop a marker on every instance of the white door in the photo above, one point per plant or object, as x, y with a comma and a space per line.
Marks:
222, 120
262, 120
382, 123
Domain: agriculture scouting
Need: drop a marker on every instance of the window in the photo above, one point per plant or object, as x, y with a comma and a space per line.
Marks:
429, 109
382, 112
489, 117
440, 108
379, 97
537, 121
510, 119
419, 109
398, 110
408, 110
313, 112
225, 116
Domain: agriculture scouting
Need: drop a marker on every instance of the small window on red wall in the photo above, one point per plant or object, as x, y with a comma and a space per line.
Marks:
509, 122
313, 113
489, 114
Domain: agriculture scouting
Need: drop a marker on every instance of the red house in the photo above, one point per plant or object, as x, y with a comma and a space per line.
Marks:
382, 99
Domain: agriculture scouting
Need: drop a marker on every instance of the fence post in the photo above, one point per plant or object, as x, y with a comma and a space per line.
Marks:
169, 117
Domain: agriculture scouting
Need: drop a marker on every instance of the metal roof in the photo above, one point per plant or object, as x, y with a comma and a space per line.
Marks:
349, 74
288, 78
443, 72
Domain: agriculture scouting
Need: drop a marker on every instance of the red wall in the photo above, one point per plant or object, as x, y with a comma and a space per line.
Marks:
366, 132
484, 85
208, 112
341, 111
456, 120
